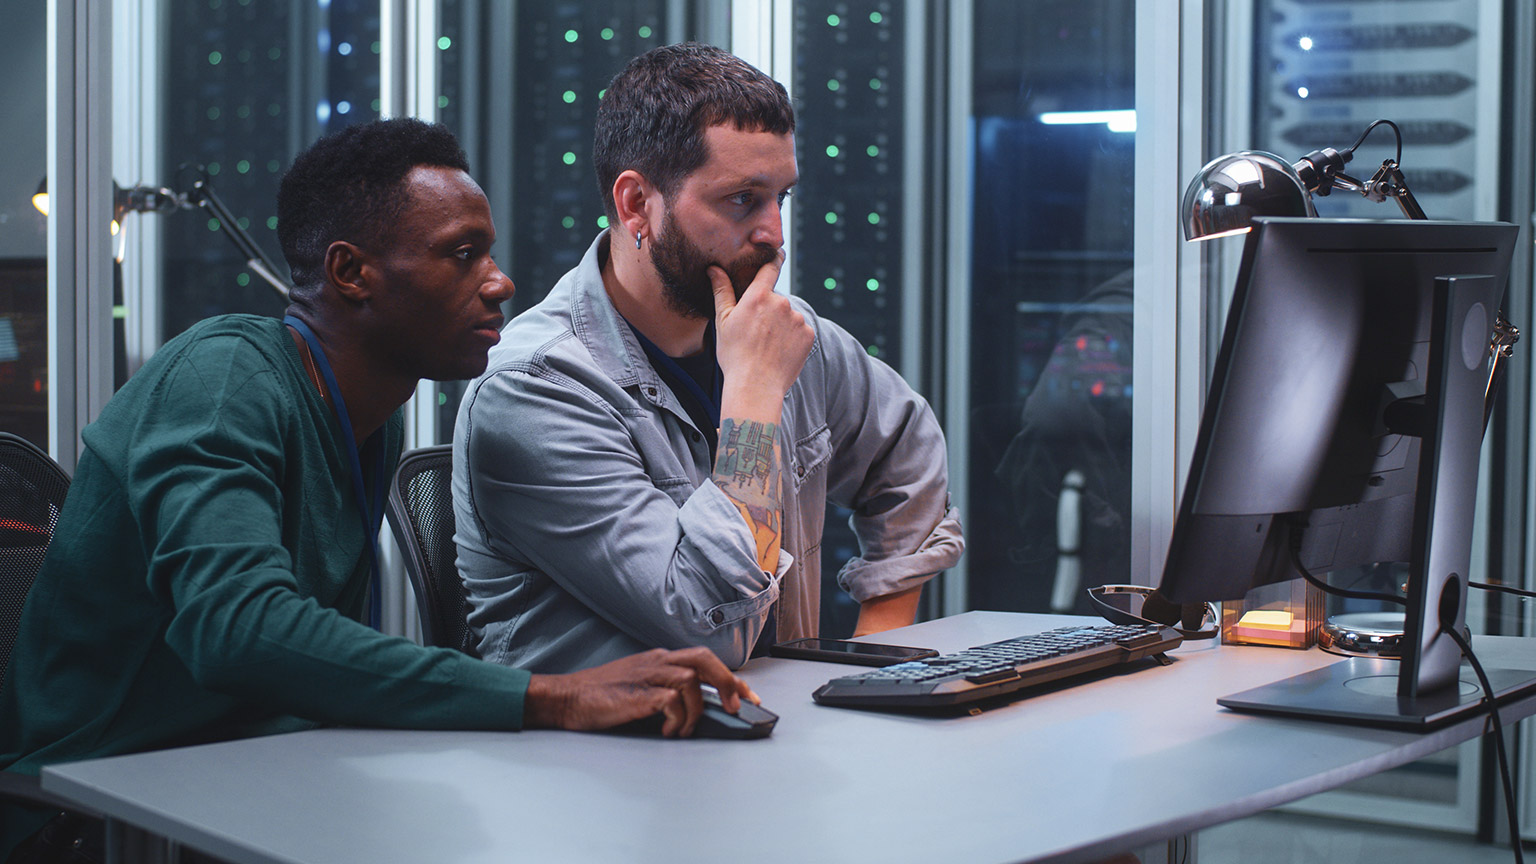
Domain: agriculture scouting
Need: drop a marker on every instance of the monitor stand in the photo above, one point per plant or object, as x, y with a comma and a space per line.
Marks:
1363, 690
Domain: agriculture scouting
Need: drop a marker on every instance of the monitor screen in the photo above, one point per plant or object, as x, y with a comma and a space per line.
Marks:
1303, 448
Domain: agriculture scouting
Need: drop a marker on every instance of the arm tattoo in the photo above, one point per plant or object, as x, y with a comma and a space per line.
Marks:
747, 471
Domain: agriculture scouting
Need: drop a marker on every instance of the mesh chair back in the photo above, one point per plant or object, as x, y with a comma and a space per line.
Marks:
32, 490
421, 514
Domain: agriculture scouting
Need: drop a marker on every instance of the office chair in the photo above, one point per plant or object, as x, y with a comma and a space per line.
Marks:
420, 511
32, 490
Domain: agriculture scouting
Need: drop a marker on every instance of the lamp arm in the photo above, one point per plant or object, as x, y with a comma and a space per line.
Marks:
1500, 347
1340, 180
202, 195
1388, 182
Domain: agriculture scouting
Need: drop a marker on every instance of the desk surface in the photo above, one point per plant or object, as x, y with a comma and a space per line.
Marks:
1069, 775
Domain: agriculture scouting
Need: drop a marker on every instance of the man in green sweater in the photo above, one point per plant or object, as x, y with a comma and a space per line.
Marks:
209, 573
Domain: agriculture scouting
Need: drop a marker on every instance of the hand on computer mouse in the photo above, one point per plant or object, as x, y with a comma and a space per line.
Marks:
656, 682
751, 720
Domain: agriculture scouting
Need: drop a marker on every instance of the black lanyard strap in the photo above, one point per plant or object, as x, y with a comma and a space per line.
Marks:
373, 517
710, 402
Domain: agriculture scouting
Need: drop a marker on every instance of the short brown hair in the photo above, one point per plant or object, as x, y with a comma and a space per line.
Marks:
654, 114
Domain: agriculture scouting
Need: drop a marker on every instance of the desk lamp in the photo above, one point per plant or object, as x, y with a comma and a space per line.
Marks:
149, 199
1230, 190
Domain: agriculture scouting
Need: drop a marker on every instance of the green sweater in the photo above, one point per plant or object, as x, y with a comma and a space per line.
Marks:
208, 574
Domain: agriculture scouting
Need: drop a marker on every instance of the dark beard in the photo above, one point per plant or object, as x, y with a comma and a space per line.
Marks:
684, 270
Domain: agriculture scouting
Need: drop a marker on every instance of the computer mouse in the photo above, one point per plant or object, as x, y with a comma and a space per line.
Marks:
752, 721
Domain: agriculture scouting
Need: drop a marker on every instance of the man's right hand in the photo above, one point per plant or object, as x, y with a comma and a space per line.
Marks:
761, 343
654, 682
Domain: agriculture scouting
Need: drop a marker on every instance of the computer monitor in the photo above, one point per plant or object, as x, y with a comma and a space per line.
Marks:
1342, 428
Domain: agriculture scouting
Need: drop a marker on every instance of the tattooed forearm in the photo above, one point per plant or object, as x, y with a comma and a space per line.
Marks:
747, 471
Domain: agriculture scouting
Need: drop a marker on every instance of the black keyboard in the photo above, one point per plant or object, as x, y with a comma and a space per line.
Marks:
1001, 667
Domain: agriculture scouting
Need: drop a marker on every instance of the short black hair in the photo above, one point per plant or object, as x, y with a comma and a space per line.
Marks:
350, 186
654, 114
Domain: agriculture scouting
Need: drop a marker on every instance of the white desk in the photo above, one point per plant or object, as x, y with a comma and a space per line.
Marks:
1070, 775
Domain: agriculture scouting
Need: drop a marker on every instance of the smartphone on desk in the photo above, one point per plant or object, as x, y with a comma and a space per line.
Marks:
845, 651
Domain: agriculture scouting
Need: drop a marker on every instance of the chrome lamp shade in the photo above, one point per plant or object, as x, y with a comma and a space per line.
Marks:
1230, 190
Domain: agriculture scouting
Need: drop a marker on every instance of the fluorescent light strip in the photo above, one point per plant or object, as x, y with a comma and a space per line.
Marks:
1117, 121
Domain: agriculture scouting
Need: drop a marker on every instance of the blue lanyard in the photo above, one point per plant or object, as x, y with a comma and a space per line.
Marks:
710, 405
373, 517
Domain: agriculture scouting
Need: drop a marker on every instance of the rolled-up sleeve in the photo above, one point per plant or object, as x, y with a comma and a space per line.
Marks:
559, 484
890, 467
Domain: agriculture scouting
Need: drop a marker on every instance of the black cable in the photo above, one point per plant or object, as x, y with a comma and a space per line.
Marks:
1498, 741
1505, 589
1396, 131
1342, 592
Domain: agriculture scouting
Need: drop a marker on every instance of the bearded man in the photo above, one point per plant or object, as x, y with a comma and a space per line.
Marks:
646, 461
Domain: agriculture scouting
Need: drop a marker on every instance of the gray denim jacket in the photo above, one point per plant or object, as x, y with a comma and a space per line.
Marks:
587, 524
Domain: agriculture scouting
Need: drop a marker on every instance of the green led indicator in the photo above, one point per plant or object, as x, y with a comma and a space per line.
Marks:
569, 96
874, 218
602, 221
571, 36
273, 166
603, 92
243, 111
274, 109
568, 222
120, 313
874, 83
872, 150
607, 33
444, 43
645, 32
243, 279
214, 57
834, 85
442, 398
569, 158
375, 104
376, 47
244, 223
872, 284
274, 53
876, 17
831, 218
213, 224
272, 223
442, 101
213, 167
829, 283
873, 350
243, 166
213, 113
833, 20
832, 150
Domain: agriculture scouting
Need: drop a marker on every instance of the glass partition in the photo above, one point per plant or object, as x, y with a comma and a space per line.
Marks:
247, 85
24, 228
1052, 132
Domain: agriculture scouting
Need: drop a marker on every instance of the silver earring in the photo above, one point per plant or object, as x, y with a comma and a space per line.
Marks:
638, 237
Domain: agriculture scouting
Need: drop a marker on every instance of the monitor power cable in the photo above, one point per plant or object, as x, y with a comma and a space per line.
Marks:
1498, 739
1334, 589
1465, 645
1503, 589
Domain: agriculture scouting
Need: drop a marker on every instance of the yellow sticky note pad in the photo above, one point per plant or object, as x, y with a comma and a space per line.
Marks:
1266, 619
